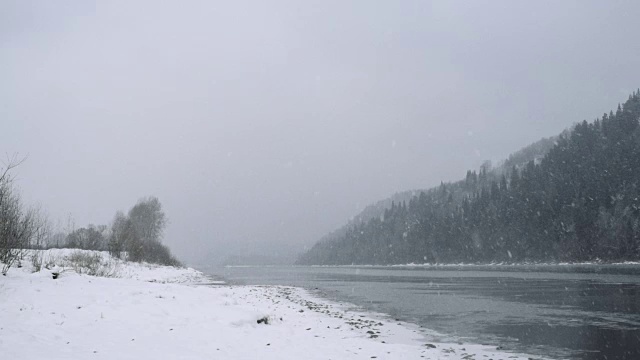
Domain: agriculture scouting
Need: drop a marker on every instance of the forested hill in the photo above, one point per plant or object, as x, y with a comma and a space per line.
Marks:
519, 159
579, 202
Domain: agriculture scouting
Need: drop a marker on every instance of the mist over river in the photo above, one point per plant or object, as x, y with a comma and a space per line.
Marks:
558, 311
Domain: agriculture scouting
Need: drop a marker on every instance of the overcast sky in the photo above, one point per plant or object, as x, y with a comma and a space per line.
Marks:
276, 121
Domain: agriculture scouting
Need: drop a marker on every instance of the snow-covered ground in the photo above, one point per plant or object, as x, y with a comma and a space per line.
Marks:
156, 312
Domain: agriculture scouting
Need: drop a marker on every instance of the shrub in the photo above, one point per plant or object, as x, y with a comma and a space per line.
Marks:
92, 263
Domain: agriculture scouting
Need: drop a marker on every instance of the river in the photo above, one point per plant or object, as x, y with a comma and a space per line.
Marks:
558, 311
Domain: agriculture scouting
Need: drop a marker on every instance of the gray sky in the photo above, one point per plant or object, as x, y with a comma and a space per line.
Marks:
274, 122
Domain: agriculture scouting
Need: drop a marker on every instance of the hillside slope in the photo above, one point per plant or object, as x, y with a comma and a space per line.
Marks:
532, 152
579, 201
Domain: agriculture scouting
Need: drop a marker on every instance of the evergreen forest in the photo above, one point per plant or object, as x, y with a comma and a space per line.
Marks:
577, 201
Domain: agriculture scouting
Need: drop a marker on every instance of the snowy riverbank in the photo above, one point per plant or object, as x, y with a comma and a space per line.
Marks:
157, 312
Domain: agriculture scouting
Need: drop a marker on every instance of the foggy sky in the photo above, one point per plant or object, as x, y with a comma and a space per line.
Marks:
274, 122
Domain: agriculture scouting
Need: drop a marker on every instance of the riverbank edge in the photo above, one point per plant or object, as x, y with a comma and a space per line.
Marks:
287, 322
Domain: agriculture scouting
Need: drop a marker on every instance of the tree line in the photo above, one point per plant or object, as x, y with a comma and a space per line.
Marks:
132, 236
578, 202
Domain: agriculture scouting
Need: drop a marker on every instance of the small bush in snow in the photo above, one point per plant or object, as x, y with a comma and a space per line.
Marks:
36, 261
91, 263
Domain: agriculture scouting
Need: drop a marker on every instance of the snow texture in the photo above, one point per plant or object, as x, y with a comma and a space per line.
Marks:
156, 312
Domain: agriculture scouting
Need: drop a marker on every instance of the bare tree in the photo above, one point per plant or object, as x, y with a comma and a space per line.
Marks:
136, 236
148, 219
121, 230
147, 222
89, 238
20, 228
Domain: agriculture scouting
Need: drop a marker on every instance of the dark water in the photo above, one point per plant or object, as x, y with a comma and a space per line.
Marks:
578, 312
